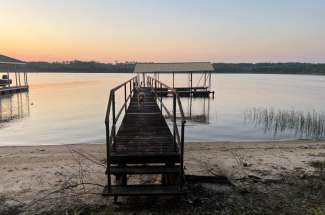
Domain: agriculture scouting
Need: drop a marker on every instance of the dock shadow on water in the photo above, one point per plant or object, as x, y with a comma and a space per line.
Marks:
14, 107
309, 125
196, 110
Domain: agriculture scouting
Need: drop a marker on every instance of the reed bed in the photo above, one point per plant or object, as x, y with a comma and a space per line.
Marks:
303, 124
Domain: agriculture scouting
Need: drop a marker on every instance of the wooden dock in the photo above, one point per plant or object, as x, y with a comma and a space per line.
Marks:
202, 92
143, 144
11, 90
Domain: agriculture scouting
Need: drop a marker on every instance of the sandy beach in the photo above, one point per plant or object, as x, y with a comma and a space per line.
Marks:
47, 178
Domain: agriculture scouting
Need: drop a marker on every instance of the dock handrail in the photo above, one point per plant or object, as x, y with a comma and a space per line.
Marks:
178, 137
111, 110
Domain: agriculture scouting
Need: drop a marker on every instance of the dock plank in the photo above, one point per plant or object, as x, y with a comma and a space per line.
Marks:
143, 129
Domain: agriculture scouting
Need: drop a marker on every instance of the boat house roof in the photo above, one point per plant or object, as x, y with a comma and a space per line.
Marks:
173, 67
8, 60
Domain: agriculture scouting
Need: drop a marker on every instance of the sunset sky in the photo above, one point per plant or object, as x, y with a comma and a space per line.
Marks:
164, 30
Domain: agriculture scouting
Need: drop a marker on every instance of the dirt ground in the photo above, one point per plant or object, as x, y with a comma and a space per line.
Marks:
285, 177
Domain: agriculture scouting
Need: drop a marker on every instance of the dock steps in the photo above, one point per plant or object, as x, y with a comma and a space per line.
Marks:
142, 190
145, 170
144, 158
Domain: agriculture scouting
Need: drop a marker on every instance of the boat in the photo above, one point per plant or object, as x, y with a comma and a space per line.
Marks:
5, 80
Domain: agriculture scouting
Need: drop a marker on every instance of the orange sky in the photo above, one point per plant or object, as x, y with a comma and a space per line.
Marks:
109, 31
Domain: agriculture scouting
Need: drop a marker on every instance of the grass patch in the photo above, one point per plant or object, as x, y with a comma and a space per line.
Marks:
315, 211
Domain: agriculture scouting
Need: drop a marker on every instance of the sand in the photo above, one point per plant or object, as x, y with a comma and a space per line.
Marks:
30, 173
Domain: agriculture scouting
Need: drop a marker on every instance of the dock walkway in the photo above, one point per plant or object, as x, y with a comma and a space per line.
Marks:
143, 145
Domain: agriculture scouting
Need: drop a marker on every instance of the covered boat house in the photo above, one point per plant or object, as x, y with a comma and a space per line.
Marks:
202, 89
11, 79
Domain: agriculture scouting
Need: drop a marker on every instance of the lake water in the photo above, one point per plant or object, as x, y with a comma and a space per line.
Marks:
70, 108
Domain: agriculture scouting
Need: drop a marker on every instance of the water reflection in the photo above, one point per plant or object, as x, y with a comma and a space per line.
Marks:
202, 116
195, 110
302, 124
14, 107
69, 108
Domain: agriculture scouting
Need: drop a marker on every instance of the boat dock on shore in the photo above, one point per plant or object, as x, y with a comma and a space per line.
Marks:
142, 142
8, 84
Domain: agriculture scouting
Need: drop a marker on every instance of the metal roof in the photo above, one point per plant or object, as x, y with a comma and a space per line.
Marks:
173, 67
8, 60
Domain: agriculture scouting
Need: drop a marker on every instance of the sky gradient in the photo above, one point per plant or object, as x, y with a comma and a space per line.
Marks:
164, 30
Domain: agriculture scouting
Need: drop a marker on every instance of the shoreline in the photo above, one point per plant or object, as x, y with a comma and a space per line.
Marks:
219, 153
32, 172
286, 141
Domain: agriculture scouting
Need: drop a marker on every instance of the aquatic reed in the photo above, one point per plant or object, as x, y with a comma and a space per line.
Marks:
308, 125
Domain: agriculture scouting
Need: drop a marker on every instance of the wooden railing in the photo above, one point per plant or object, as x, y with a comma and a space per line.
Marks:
157, 87
113, 116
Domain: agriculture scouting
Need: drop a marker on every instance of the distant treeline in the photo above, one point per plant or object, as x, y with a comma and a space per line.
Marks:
271, 68
127, 67
78, 67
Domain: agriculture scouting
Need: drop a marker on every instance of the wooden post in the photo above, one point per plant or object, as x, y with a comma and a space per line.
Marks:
8, 77
208, 115
209, 81
108, 168
155, 85
16, 78
173, 79
19, 78
191, 83
0, 109
174, 117
125, 98
143, 79
113, 112
191, 107
26, 78
205, 80
161, 114
182, 156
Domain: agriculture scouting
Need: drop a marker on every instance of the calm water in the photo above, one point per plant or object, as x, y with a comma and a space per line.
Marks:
70, 108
